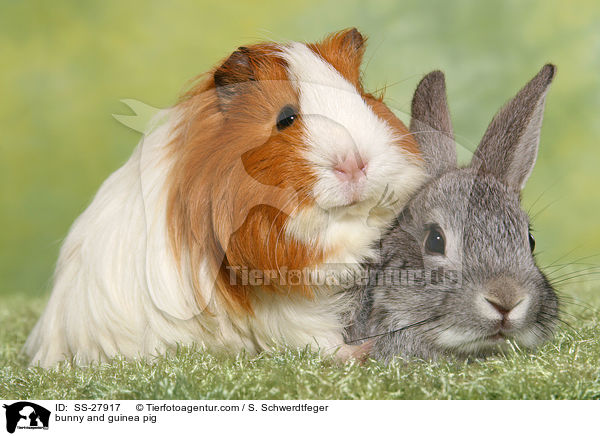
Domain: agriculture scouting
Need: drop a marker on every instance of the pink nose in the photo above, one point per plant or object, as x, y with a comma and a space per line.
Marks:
352, 169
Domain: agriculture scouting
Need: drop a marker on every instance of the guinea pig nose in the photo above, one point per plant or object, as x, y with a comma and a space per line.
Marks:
352, 168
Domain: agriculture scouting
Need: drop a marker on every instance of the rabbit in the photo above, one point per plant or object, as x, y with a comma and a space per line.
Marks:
269, 165
457, 275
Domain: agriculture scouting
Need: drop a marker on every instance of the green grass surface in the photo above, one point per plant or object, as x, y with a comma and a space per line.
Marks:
565, 368
67, 64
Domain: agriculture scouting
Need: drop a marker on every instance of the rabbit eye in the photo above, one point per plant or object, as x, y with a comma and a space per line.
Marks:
434, 241
286, 117
531, 242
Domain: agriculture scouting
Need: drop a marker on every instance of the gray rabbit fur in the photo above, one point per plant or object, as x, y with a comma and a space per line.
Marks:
457, 275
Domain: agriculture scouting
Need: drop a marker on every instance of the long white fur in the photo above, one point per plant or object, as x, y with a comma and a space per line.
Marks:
118, 290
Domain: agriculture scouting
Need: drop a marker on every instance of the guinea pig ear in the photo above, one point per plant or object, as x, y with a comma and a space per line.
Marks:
231, 76
431, 125
509, 146
344, 50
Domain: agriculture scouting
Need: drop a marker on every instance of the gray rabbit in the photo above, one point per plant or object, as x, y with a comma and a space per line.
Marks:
457, 274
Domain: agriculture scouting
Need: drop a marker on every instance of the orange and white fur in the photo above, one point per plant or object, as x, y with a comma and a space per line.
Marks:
229, 180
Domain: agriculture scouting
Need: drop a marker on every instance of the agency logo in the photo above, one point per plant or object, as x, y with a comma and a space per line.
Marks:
26, 415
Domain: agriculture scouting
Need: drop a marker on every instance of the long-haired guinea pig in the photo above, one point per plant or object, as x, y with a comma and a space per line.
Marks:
458, 275
268, 166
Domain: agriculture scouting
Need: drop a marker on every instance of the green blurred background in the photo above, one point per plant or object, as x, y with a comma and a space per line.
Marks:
67, 64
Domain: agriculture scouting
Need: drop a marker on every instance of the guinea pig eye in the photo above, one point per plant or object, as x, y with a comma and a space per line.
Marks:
286, 117
434, 241
531, 241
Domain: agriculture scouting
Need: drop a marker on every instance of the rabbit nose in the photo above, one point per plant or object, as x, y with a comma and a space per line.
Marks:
504, 295
352, 168
504, 307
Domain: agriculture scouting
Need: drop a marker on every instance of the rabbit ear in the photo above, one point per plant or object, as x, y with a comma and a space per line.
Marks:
431, 126
509, 146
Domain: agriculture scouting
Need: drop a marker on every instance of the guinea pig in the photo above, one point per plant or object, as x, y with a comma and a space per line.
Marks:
267, 167
458, 275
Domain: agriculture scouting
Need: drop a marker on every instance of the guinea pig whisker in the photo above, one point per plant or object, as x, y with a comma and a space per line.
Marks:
388, 85
398, 138
435, 326
391, 332
442, 330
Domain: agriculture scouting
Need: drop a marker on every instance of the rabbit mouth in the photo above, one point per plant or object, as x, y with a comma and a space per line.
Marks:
490, 341
497, 337
482, 346
482, 343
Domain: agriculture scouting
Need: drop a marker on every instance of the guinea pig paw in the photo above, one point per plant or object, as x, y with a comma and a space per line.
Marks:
359, 353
